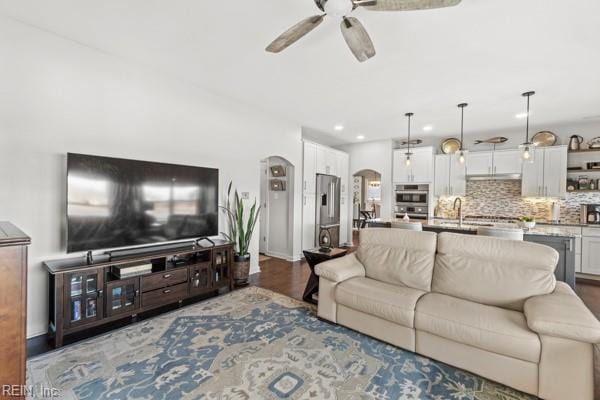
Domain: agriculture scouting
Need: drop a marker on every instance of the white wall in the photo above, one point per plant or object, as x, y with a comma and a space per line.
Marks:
58, 96
376, 156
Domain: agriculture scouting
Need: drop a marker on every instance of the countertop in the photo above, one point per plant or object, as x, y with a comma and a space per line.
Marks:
472, 226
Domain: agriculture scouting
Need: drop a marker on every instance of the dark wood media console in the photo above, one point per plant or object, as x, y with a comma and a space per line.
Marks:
84, 296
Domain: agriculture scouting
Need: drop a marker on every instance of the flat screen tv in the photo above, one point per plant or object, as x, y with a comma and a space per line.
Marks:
113, 202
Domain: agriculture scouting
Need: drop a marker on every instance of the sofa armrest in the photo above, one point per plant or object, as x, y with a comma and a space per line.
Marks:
562, 314
340, 269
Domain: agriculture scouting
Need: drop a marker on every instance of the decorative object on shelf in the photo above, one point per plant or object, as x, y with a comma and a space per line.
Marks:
495, 140
462, 153
528, 148
406, 218
277, 185
544, 139
354, 33
572, 185
408, 153
593, 165
583, 182
594, 144
527, 222
575, 143
324, 240
593, 184
277, 171
240, 233
450, 146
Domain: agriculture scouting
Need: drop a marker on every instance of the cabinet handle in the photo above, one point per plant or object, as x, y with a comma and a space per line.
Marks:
100, 293
166, 276
137, 292
568, 245
167, 291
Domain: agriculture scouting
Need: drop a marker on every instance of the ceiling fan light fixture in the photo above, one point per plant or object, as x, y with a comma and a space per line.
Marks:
338, 8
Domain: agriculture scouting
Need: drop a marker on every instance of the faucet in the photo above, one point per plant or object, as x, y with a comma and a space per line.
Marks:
460, 214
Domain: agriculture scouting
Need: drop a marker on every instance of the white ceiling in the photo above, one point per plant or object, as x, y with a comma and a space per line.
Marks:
485, 52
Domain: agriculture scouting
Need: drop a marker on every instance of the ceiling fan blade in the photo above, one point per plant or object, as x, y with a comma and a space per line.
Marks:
295, 33
365, 3
357, 39
409, 5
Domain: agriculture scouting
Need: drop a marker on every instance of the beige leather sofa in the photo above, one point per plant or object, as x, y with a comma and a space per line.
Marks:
490, 306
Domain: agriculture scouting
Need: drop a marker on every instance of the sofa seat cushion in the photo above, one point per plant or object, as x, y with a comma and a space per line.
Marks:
488, 328
390, 302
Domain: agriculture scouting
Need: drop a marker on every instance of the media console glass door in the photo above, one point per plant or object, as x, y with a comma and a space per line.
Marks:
83, 297
122, 296
222, 259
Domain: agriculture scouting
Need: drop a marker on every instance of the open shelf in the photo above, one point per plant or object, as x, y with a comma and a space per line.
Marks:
584, 151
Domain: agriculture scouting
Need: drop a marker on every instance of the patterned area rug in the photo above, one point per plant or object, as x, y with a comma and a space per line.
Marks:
249, 344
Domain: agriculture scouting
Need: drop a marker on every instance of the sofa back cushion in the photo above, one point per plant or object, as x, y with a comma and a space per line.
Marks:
398, 256
492, 271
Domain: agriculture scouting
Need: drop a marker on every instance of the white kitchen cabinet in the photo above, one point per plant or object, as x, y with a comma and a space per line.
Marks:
590, 255
547, 175
555, 171
507, 162
310, 168
327, 161
441, 184
309, 218
533, 176
458, 177
450, 176
419, 171
480, 163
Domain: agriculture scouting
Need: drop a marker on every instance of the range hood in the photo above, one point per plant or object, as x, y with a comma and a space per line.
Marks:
495, 177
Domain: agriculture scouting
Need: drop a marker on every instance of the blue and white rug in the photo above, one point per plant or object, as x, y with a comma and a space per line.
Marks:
249, 344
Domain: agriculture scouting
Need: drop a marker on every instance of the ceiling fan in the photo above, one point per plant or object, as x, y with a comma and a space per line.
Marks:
353, 31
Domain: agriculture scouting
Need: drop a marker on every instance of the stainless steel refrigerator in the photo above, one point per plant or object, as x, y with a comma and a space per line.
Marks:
328, 208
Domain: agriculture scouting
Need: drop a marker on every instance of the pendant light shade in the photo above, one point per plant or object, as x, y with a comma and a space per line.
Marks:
408, 153
462, 153
527, 148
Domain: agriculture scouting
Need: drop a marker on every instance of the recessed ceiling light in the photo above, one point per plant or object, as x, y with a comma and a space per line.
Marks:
339, 127
521, 115
428, 128
360, 137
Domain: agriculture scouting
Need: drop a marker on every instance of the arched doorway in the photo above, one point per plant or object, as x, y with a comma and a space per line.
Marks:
366, 197
277, 202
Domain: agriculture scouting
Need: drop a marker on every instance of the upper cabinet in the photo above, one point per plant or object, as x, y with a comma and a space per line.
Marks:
500, 162
420, 169
480, 163
450, 176
507, 162
547, 175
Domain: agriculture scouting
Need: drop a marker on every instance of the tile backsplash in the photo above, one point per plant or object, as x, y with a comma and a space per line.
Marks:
503, 199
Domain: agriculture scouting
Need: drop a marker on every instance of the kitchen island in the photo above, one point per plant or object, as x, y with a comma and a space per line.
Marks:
559, 237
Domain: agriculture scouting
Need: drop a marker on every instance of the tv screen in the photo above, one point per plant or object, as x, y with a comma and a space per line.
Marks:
113, 202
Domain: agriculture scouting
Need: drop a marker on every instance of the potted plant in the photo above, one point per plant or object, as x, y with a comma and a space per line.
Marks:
528, 222
240, 230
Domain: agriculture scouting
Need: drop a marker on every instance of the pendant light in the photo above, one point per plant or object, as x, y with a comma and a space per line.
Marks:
527, 148
408, 153
462, 153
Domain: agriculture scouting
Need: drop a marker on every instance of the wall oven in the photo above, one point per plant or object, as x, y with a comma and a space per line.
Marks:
412, 200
